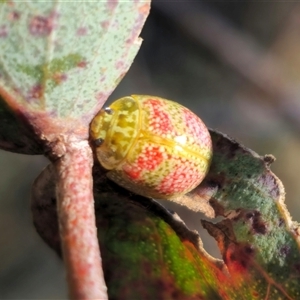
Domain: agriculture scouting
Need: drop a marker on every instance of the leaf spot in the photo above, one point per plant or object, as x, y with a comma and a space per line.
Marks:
40, 26
36, 92
104, 24
284, 250
3, 31
14, 16
59, 77
81, 31
82, 64
111, 4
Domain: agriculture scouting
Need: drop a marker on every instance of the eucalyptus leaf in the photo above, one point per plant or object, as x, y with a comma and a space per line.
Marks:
259, 241
149, 253
59, 61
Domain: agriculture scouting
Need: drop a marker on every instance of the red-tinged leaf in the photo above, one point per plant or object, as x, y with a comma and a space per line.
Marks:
259, 241
148, 253
59, 61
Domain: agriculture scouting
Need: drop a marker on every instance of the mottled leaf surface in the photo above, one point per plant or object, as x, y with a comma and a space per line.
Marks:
59, 61
148, 253
259, 242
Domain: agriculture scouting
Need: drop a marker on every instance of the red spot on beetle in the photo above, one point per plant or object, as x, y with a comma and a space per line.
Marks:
195, 127
159, 121
150, 158
40, 26
184, 176
132, 172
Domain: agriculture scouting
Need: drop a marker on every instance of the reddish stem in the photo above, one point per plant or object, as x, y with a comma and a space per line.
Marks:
76, 216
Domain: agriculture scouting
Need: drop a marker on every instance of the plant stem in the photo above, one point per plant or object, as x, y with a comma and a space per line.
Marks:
76, 215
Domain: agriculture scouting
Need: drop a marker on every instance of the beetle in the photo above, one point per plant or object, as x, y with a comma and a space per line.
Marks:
152, 146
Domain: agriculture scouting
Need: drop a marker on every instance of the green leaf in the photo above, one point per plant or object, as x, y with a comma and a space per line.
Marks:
148, 253
59, 61
259, 242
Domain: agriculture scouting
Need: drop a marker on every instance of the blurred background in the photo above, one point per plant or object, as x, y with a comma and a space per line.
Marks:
235, 64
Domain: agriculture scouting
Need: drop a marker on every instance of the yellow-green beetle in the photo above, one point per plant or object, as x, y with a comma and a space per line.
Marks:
152, 146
